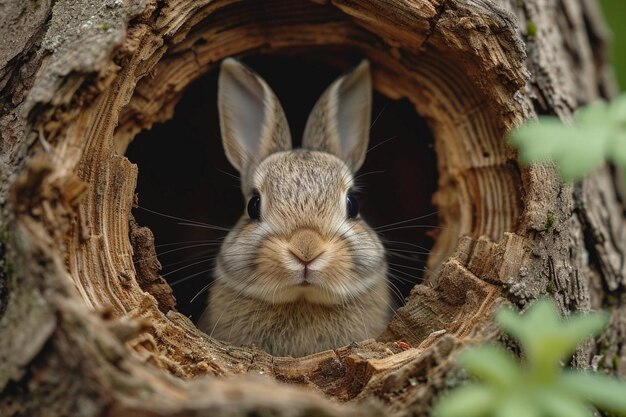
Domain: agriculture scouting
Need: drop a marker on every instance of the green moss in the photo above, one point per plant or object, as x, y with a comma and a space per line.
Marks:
531, 28
549, 221
104, 26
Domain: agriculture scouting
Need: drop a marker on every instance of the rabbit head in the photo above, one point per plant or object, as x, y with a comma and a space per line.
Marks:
302, 237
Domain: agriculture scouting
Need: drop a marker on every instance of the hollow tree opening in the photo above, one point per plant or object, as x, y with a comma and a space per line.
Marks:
183, 172
478, 194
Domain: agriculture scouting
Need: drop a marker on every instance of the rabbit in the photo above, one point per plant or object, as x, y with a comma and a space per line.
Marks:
301, 271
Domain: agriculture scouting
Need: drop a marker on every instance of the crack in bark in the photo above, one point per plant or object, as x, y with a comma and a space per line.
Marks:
433, 21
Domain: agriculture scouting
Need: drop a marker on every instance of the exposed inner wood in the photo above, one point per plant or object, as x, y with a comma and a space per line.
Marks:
479, 193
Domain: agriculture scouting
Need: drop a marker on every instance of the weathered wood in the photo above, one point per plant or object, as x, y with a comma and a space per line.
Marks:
87, 327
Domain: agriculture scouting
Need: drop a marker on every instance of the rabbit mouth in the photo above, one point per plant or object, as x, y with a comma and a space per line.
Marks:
305, 290
304, 279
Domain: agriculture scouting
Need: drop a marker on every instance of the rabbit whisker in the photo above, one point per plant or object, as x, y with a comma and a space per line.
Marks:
382, 143
417, 226
188, 241
407, 220
176, 217
204, 226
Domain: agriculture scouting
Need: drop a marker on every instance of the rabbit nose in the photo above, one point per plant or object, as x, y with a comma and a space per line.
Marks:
306, 246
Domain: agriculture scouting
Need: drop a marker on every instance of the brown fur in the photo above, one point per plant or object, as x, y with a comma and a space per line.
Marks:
299, 328
304, 277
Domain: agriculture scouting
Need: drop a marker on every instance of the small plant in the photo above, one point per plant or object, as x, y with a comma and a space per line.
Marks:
538, 386
598, 134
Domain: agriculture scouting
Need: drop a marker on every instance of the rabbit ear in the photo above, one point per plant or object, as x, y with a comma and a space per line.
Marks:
252, 121
340, 120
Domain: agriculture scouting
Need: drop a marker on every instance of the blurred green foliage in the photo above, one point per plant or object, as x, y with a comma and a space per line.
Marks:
538, 387
599, 130
598, 134
615, 13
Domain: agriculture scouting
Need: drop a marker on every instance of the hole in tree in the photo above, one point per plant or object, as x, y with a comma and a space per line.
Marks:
184, 173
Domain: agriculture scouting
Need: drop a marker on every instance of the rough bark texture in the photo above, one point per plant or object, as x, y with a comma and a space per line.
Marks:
87, 326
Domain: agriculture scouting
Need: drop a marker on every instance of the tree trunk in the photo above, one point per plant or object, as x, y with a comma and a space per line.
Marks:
85, 332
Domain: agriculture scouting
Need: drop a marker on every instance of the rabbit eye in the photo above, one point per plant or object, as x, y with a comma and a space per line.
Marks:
254, 207
352, 205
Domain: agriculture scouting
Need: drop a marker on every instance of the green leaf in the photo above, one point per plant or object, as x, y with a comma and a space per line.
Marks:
602, 391
467, 401
544, 337
556, 404
560, 342
617, 148
618, 110
580, 327
540, 388
492, 364
576, 150
596, 113
534, 139
512, 324
599, 133
585, 150
540, 319
517, 406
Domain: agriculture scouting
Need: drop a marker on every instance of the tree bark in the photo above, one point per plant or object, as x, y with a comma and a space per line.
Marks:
87, 325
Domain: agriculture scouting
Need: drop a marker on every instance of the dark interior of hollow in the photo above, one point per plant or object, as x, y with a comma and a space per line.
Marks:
184, 173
